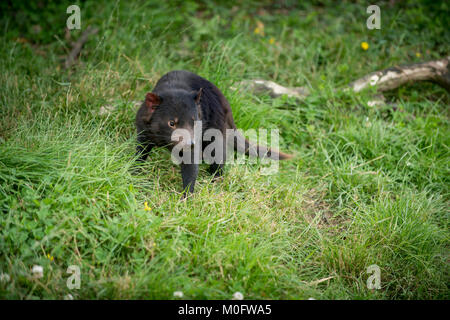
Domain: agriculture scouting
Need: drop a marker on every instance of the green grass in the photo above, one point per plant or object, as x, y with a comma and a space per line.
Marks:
368, 185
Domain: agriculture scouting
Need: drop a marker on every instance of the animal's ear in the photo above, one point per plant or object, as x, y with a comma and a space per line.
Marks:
152, 101
197, 95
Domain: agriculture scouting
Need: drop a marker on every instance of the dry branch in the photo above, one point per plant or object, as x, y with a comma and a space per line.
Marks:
273, 89
436, 71
76, 49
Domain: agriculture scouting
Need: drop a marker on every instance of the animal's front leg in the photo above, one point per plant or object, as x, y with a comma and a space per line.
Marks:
217, 160
142, 151
216, 170
143, 148
189, 174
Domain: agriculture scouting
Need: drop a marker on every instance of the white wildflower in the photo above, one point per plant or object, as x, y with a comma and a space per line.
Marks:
238, 296
4, 277
38, 271
178, 294
106, 110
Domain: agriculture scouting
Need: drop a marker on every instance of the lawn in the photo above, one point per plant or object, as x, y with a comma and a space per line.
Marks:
367, 184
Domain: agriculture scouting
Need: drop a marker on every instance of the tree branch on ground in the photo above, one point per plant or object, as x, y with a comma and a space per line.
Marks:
76, 49
437, 71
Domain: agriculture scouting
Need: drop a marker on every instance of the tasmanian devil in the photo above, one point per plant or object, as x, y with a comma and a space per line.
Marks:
182, 100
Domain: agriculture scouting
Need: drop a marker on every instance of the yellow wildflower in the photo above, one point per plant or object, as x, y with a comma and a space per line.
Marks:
49, 257
418, 55
364, 45
146, 207
259, 28
272, 40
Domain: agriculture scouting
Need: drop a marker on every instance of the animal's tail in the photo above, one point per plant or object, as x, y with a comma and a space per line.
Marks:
242, 145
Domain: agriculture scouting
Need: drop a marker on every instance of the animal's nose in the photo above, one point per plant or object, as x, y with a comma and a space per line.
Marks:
187, 141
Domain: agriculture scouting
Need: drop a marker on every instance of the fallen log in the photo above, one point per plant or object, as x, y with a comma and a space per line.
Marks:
273, 89
437, 71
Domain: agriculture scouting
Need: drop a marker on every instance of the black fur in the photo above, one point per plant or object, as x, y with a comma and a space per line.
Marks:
187, 97
178, 90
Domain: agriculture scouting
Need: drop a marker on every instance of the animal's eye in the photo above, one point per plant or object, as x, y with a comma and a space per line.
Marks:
172, 123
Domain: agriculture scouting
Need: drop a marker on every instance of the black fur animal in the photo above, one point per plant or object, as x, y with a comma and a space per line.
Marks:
178, 99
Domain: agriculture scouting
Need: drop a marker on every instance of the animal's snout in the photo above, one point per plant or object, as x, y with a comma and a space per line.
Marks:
183, 137
187, 141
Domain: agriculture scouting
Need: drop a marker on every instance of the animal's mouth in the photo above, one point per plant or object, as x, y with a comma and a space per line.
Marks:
185, 144
183, 138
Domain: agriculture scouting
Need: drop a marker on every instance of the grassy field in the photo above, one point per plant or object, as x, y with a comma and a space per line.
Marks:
368, 185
